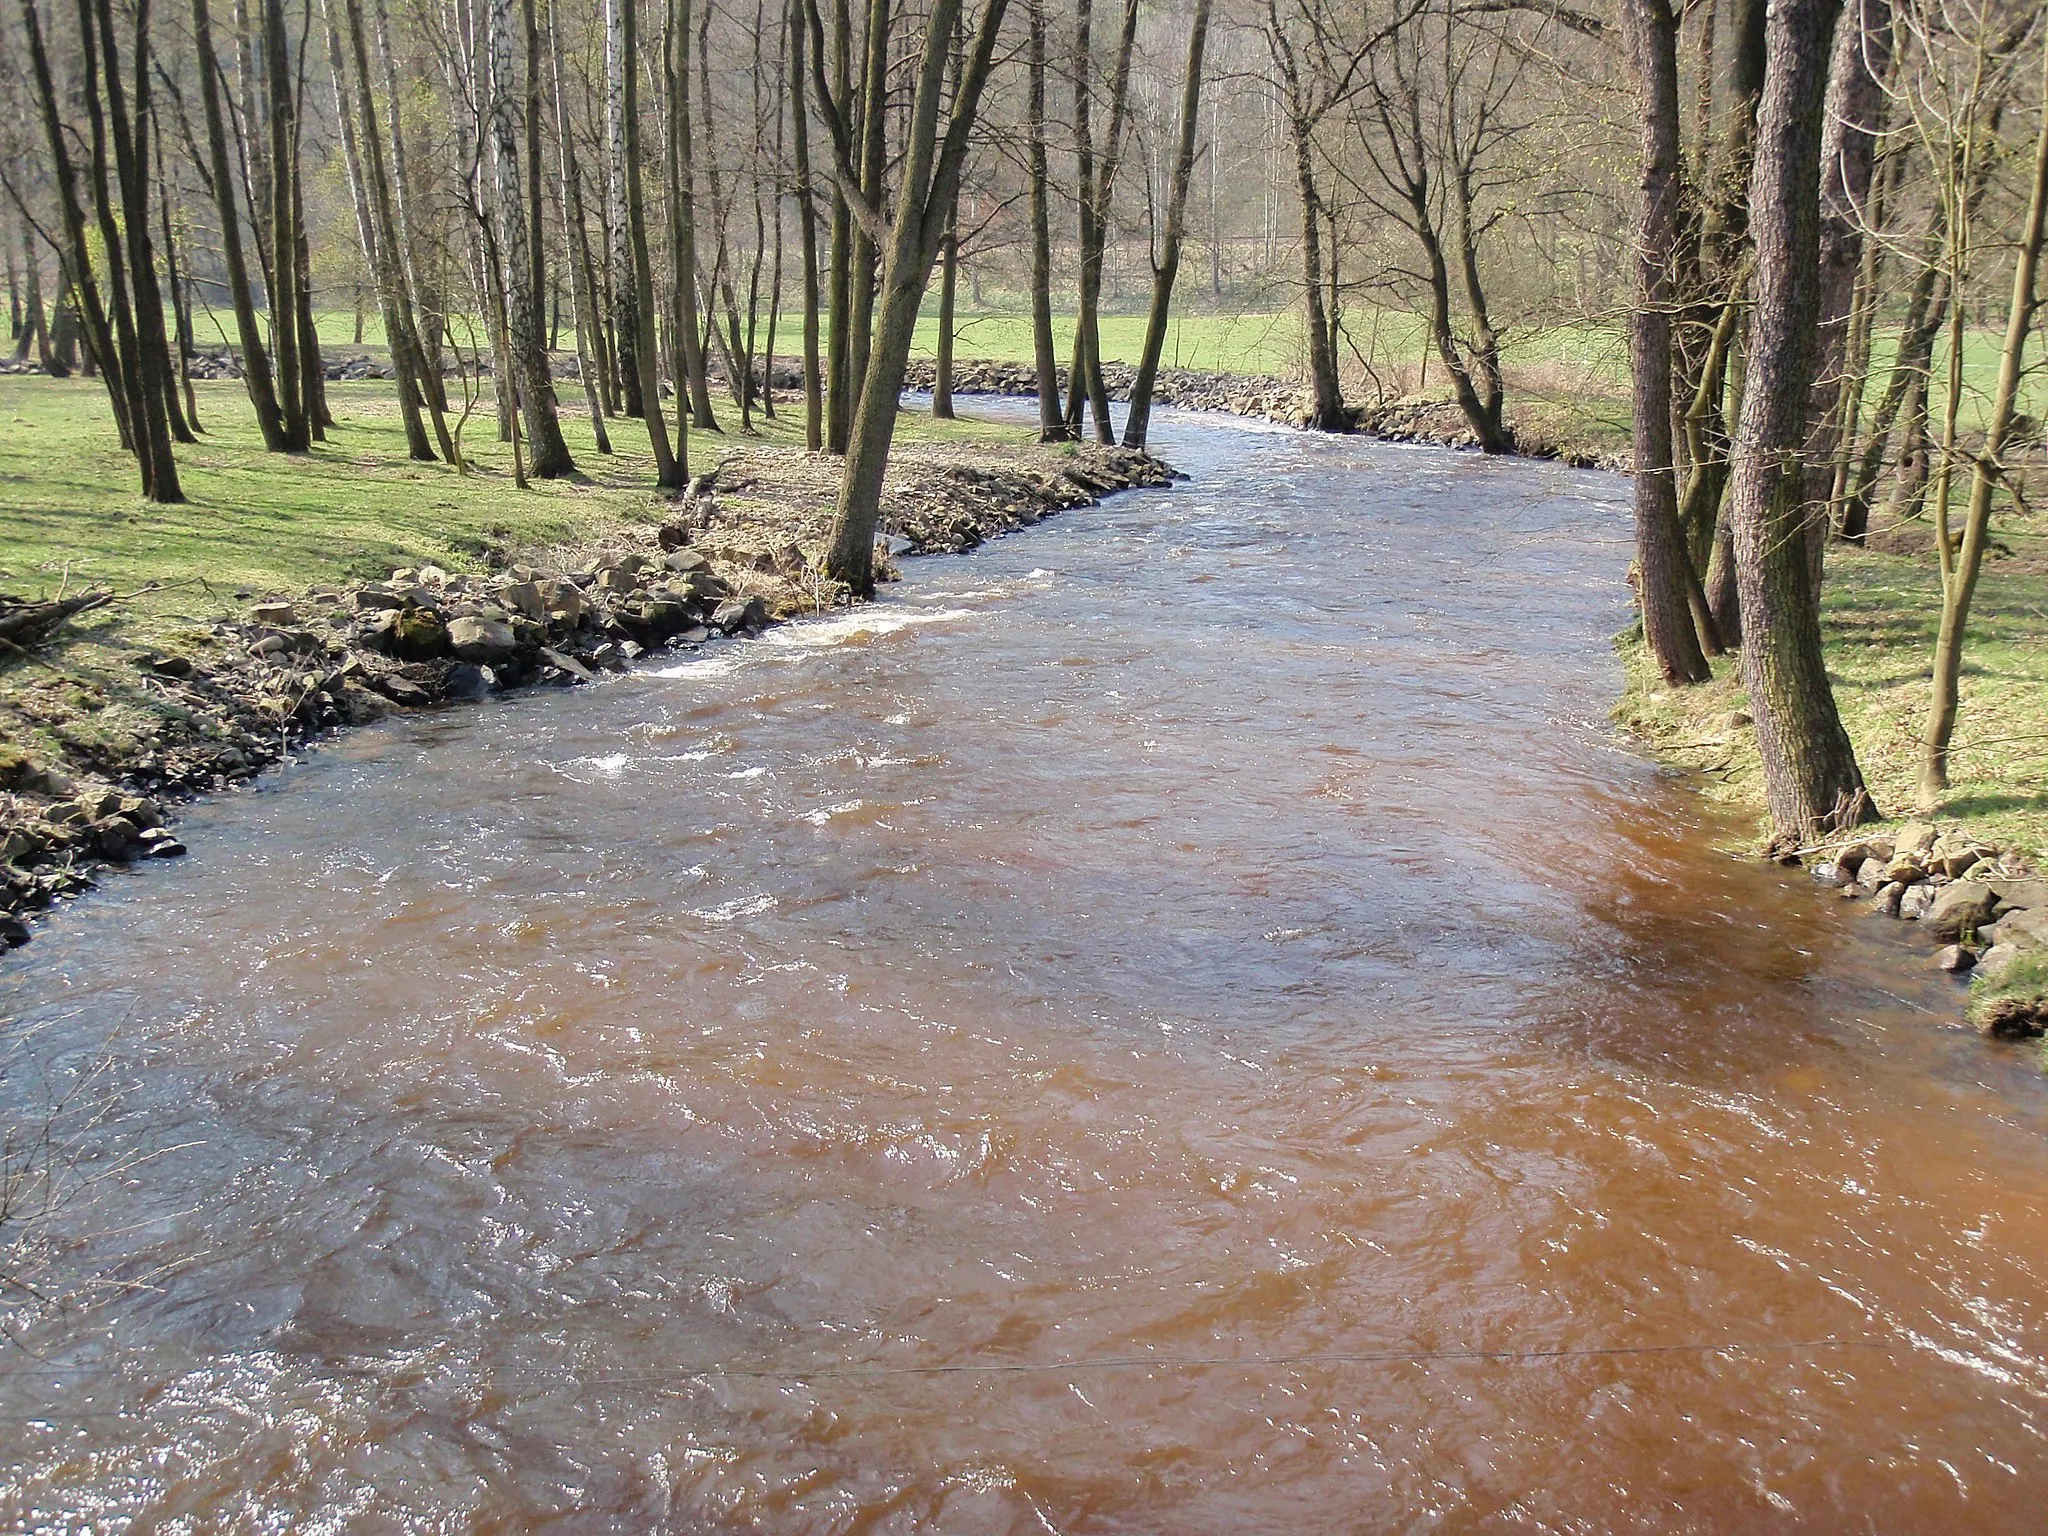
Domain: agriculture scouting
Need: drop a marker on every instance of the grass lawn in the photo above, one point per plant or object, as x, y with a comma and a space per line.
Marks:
354, 507
1880, 612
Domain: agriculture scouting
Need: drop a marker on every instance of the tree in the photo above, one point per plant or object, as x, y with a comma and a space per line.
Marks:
1811, 779
1663, 573
536, 390
256, 375
928, 180
1166, 263
1961, 563
670, 473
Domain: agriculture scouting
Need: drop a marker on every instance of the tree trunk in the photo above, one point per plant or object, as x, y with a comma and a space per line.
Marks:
619, 88
669, 473
693, 389
1811, 779
1052, 426
949, 284
536, 391
282, 103
1138, 419
807, 222
582, 301
1662, 565
256, 377
930, 180
1987, 473
1854, 119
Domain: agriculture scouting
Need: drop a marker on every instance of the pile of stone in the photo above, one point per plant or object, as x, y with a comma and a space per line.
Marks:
1985, 909
289, 670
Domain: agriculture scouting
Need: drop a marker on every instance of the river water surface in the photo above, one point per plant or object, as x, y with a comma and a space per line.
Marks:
1182, 1020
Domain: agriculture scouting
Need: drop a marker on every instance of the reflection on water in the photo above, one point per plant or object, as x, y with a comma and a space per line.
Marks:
1181, 1020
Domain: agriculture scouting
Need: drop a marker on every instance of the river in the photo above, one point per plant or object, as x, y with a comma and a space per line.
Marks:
1185, 1019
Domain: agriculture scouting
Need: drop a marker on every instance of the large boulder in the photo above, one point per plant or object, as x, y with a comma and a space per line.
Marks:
2025, 929
1959, 910
526, 599
481, 640
410, 634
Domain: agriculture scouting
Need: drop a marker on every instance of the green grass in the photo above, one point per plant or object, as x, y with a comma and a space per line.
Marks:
354, 507
2017, 992
1880, 612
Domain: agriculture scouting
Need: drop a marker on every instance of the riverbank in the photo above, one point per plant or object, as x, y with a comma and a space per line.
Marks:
1980, 859
295, 598
1544, 428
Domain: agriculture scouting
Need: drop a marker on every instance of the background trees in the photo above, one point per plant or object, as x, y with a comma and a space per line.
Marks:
1531, 211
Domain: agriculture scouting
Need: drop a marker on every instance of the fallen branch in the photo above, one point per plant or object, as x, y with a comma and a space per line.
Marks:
26, 625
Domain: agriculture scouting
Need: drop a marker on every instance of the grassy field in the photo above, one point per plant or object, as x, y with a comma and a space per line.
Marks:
1880, 612
355, 507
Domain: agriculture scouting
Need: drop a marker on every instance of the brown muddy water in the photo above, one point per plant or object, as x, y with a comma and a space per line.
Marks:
1183, 1020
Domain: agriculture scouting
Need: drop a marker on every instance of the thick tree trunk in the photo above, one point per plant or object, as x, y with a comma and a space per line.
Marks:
536, 391
1662, 566
1138, 419
1811, 779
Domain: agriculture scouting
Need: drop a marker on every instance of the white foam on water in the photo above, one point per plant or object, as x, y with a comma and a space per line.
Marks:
806, 636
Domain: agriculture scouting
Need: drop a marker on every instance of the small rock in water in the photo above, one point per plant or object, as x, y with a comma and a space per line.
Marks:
1828, 873
468, 682
1852, 891
1914, 904
1953, 958
1870, 872
13, 933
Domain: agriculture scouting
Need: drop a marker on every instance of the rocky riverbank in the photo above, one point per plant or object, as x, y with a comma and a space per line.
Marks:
738, 554
1983, 912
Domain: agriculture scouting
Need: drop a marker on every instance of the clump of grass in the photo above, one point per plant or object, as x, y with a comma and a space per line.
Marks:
2012, 1003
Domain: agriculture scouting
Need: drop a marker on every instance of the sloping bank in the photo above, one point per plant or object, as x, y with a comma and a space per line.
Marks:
735, 558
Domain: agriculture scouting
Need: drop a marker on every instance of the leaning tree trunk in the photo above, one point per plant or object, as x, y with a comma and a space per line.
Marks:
1960, 570
1662, 565
523, 322
256, 377
930, 179
1811, 779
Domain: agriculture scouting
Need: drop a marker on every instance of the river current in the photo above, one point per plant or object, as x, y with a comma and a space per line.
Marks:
1185, 1019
